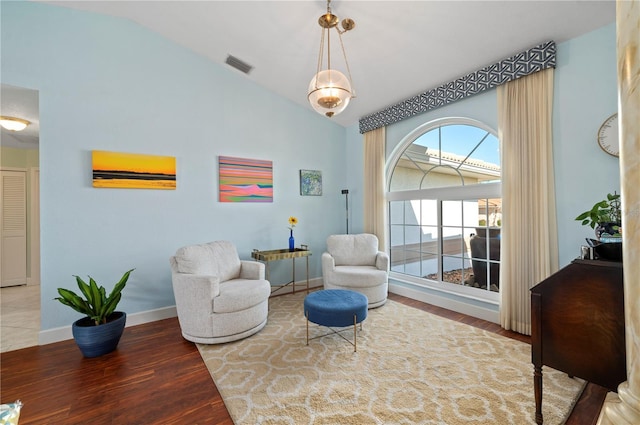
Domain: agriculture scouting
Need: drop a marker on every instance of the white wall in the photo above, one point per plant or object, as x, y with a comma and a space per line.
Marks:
109, 84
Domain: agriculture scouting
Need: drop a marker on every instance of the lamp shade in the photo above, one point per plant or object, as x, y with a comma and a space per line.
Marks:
329, 92
13, 124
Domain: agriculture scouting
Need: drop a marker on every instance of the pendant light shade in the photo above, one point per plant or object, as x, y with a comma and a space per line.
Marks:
330, 90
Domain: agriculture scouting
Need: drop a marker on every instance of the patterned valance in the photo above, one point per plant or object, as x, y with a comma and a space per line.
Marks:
524, 63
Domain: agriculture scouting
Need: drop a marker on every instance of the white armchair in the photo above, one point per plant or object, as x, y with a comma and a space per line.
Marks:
219, 298
354, 262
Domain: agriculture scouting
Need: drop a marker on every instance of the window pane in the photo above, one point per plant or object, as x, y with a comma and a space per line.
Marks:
428, 212
453, 243
396, 212
490, 212
480, 272
483, 249
411, 250
466, 139
455, 270
430, 267
398, 252
412, 212
468, 233
397, 259
430, 240
473, 213
451, 213
409, 171
494, 276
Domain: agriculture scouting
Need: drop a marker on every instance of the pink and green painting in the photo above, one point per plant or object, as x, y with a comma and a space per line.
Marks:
245, 180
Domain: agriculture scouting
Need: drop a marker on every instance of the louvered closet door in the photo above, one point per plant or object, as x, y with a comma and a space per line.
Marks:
13, 224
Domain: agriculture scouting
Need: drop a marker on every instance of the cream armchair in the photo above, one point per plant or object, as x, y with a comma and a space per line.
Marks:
219, 298
354, 262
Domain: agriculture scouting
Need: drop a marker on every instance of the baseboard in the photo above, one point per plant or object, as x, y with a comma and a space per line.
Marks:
300, 286
448, 303
50, 336
63, 333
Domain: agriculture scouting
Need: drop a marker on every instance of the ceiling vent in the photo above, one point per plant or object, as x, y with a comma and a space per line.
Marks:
238, 64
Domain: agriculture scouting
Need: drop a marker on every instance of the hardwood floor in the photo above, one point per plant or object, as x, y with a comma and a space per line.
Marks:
156, 377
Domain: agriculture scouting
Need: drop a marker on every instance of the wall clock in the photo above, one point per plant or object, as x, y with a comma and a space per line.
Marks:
608, 136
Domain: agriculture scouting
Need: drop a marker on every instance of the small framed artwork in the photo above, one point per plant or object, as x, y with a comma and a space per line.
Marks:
310, 183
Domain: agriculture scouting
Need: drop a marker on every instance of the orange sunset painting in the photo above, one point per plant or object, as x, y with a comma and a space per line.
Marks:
133, 171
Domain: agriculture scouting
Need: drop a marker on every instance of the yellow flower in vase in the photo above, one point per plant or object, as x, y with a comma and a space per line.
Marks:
292, 223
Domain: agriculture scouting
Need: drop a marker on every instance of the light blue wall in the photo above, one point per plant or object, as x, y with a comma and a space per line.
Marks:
355, 179
585, 94
109, 84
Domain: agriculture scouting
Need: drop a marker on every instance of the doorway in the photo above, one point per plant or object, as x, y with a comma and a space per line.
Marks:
19, 159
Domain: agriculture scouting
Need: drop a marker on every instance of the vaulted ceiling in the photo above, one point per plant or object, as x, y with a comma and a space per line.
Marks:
398, 48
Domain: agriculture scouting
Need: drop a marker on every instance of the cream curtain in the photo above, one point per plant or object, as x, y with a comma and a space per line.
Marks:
374, 201
529, 248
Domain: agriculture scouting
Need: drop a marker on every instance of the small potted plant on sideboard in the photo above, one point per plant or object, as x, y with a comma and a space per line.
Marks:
605, 217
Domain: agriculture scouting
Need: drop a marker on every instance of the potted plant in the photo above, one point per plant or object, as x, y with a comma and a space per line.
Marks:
605, 216
100, 330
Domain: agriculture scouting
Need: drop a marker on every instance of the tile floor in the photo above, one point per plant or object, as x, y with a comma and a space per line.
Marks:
19, 317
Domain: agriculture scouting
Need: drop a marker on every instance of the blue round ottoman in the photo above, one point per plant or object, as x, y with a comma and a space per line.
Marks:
336, 308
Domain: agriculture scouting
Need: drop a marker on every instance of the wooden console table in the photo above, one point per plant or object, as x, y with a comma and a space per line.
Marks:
577, 325
283, 254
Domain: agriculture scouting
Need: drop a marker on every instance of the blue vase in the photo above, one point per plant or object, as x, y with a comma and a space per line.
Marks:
292, 242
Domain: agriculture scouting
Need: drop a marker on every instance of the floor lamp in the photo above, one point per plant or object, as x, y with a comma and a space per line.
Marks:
345, 192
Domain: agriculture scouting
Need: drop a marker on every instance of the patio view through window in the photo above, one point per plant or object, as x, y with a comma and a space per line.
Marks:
445, 207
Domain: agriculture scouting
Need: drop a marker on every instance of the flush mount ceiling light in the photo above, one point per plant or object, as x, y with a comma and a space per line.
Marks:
330, 90
13, 124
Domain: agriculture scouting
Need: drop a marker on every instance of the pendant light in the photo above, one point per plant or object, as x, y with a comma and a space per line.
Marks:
330, 90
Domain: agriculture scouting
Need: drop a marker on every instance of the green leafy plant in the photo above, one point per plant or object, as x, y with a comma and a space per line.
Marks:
95, 304
605, 211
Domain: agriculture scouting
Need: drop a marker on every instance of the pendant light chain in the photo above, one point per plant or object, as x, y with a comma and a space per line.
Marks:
344, 54
320, 57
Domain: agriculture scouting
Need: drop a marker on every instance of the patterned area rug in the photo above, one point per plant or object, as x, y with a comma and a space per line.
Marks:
411, 367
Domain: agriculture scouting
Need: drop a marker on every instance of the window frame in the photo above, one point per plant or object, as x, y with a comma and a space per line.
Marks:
440, 194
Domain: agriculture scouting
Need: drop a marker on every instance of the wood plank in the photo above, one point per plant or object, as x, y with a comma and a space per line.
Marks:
587, 408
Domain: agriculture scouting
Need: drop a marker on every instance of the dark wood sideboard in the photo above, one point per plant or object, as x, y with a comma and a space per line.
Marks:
577, 325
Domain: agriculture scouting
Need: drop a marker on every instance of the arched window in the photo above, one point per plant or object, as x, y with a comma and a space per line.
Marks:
445, 207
